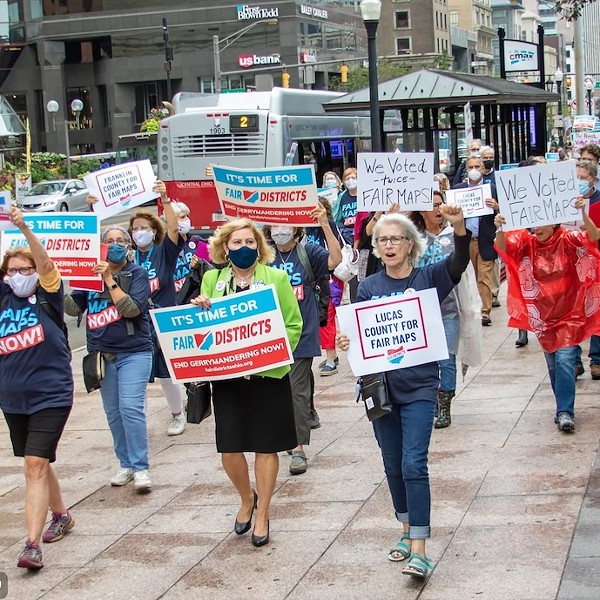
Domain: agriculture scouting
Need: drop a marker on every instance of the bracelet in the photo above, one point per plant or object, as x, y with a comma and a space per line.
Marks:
374, 218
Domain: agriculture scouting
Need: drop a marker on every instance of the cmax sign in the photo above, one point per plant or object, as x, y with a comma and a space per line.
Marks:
520, 56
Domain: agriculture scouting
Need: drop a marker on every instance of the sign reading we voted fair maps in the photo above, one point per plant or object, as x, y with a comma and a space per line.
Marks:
393, 332
239, 335
386, 178
277, 196
72, 241
540, 195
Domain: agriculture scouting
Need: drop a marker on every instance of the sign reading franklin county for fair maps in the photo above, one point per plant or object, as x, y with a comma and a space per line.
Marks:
394, 332
239, 335
275, 196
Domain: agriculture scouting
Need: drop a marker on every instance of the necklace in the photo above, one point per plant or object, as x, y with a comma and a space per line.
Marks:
285, 260
243, 282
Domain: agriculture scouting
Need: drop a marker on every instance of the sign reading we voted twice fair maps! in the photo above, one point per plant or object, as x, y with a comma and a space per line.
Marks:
276, 196
394, 332
122, 187
539, 195
72, 241
239, 335
386, 178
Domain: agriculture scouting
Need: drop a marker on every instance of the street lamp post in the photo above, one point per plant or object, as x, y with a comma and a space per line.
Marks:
230, 39
371, 11
76, 107
558, 77
168, 59
589, 86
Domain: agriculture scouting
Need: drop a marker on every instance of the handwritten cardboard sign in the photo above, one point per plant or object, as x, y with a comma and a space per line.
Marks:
239, 335
394, 332
276, 196
471, 200
539, 195
385, 178
583, 138
121, 188
72, 241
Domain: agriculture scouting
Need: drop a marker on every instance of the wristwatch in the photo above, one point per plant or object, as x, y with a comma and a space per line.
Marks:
114, 286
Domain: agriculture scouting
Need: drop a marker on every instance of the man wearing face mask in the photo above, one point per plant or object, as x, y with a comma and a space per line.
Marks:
487, 159
290, 259
461, 172
483, 254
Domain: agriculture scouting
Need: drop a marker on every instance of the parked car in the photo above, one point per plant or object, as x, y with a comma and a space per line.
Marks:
62, 195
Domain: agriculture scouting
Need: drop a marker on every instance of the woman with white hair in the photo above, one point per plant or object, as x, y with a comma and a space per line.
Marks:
403, 435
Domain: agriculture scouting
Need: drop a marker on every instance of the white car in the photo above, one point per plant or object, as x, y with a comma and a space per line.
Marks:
61, 195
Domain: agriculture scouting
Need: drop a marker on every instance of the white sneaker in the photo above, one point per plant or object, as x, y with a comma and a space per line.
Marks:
123, 477
177, 424
142, 480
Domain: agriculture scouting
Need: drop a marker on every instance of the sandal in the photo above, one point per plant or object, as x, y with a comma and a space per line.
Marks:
401, 551
418, 566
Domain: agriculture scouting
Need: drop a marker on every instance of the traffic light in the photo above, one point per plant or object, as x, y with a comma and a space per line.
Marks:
344, 74
285, 77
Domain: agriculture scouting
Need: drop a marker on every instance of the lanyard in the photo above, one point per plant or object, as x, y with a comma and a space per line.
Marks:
138, 257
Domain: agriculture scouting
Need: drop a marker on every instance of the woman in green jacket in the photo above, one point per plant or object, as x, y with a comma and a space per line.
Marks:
252, 414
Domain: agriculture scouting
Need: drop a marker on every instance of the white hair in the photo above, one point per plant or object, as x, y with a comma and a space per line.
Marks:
180, 208
409, 230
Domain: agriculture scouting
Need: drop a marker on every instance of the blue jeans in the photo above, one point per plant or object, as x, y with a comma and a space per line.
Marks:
124, 397
403, 437
448, 365
595, 350
561, 368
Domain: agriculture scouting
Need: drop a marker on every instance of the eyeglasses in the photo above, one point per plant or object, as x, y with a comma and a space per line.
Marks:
395, 240
22, 271
437, 205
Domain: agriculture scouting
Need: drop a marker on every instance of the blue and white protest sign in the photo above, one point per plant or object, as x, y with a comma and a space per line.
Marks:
394, 332
5, 206
277, 196
471, 200
239, 335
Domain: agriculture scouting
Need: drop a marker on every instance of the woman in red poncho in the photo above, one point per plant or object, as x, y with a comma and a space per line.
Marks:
554, 291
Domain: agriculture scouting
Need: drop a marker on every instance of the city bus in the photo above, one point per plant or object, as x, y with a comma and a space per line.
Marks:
250, 130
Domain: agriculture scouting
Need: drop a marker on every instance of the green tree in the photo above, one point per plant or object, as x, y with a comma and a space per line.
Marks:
571, 9
359, 78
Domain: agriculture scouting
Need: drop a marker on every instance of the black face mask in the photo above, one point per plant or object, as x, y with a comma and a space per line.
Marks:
488, 164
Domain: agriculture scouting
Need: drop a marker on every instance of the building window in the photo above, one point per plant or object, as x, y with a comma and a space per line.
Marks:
403, 19
445, 22
404, 45
437, 19
453, 17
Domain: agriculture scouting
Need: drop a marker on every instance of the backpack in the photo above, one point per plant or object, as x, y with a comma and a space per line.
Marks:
320, 286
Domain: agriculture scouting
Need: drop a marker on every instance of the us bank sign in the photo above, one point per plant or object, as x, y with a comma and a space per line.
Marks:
249, 13
520, 56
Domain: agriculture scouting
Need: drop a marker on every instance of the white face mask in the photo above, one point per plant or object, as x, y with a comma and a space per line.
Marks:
184, 226
282, 235
475, 174
22, 286
350, 184
143, 238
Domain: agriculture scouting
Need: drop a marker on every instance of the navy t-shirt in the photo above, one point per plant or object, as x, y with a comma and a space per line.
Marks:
420, 382
106, 329
160, 262
347, 215
182, 268
309, 344
316, 235
35, 363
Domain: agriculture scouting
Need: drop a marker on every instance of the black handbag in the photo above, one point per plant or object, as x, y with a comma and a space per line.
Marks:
198, 401
93, 370
374, 394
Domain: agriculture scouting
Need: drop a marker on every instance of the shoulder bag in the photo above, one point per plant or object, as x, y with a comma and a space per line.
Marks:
372, 389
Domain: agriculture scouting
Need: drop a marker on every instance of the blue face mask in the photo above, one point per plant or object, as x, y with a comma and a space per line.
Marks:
243, 257
331, 183
116, 253
584, 187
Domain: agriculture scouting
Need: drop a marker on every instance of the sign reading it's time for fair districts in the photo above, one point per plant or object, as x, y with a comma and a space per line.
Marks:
471, 200
276, 196
386, 178
239, 335
72, 241
539, 195
393, 332
122, 187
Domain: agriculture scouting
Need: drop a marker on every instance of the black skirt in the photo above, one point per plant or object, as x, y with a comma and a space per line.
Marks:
254, 415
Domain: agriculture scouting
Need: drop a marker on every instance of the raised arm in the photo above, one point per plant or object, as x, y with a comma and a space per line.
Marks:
589, 225
43, 264
169, 213
333, 245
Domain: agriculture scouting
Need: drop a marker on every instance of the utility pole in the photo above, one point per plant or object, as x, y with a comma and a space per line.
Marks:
578, 52
168, 59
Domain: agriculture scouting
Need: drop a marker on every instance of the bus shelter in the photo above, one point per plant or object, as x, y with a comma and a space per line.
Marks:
423, 111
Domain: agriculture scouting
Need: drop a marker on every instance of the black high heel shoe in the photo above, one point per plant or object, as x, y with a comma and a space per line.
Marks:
241, 528
260, 540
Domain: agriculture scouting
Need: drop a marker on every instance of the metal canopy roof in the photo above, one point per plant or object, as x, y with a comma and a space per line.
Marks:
431, 87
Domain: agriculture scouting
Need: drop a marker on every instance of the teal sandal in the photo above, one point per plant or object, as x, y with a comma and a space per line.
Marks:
418, 566
401, 551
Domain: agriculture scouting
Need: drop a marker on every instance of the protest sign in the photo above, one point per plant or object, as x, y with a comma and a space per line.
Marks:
386, 178
394, 332
539, 195
22, 185
508, 166
329, 194
552, 156
584, 122
72, 241
582, 138
239, 335
5, 206
122, 187
471, 200
91, 285
277, 196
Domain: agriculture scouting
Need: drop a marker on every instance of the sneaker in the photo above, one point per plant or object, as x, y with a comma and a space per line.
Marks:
299, 463
315, 422
31, 557
59, 527
495, 302
328, 370
579, 370
485, 321
123, 477
336, 360
142, 482
565, 422
177, 424
595, 371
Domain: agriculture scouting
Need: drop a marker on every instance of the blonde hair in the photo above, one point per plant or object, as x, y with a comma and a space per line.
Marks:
349, 171
22, 252
334, 175
154, 221
216, 243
